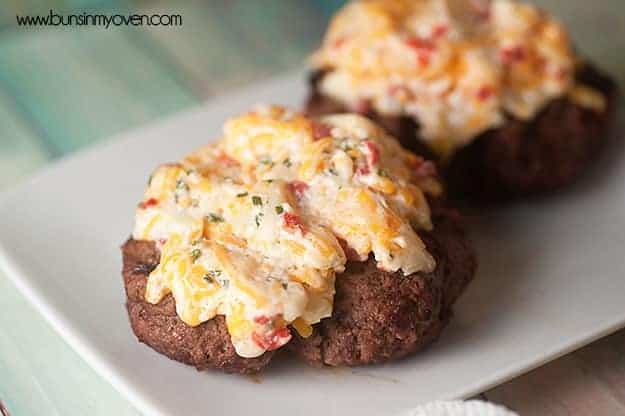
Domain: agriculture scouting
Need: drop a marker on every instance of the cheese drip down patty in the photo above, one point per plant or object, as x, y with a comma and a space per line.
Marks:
458, 67
256, 226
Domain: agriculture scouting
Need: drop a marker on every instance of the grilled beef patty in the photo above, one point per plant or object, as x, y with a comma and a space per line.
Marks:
378, 316
517, 159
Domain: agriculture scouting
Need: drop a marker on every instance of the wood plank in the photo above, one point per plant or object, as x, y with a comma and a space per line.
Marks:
40, 374
22, 149
81, 85
590, 381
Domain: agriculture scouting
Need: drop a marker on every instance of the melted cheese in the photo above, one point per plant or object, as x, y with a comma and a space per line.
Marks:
456, 66
254, 226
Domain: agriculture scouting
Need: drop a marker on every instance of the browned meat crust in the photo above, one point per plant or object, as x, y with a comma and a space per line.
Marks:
377, 316
520, 158
380, 316
205, 346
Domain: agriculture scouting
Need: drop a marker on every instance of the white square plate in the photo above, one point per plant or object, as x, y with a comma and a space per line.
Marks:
551, 278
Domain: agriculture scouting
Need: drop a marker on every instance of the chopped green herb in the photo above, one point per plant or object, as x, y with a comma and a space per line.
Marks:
266, 161
195, 202
345, 147
215, 217
150, 179
256, 200
287, 162
285, 285
268, 180
242, 194
333, 171
258, 219
195, 242
195, 254
181, 186
383, 173
211, 275
279, 209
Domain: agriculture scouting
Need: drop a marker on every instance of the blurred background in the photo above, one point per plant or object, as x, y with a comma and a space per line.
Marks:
63, 88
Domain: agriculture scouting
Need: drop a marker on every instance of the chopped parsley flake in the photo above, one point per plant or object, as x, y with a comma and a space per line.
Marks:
383, 173
195, 254
211, 275
242, 194
279, 209
287, 162
256, 200
215, 217
150, 179
266, 161
181, 186
333, 171
258, 219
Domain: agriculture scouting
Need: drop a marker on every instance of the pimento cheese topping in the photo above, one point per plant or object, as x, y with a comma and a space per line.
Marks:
255, 226
457, 66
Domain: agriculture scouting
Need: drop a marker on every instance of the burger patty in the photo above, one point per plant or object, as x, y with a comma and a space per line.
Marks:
520, 157
204, 346
381, 316
377, 315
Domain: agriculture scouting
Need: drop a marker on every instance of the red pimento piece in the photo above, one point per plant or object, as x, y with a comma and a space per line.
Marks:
362, 106
149, 203
513, 54
340, 42
320, 130
272, 340
363, 170
297, 188
484, 93
162, 241
262, 320
373, 154
294, 222
423, 49
226, 160
439, 30
418, 43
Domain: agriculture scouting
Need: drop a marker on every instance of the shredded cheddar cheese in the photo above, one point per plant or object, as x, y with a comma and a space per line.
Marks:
458, 67
254, 227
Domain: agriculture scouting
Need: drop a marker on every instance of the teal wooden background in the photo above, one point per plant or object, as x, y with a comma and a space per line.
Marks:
64, 88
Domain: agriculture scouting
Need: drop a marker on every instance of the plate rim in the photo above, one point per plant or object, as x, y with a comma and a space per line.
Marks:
142, 402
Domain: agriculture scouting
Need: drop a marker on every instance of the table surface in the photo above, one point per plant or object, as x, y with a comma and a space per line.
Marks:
64, 88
